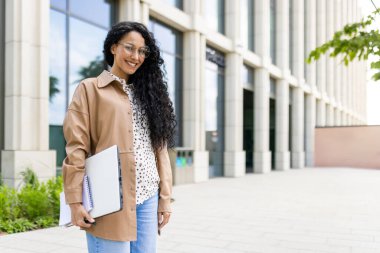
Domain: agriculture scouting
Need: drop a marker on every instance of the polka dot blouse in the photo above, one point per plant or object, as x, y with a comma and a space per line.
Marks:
147, 178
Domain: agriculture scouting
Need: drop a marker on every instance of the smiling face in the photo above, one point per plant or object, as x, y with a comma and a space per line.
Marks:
126, 55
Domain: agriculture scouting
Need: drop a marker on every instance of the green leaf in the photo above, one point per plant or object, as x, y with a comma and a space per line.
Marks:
375, 65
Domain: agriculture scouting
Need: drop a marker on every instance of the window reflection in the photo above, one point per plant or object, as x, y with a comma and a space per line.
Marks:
85, 52
214, 14
176, 3
76, 40
166, 37
60, 4
98, 12
247, 77
57, 71
247, 23
273, 30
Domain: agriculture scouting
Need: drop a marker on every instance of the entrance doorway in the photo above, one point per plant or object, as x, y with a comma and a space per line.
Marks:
248, 129
272, 131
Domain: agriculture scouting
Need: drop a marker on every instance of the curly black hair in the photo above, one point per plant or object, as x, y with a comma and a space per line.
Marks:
150, 87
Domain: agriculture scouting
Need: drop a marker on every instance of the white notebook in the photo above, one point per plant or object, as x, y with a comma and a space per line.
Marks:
105, 195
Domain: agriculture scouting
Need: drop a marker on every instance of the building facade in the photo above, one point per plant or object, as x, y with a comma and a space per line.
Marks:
244, 97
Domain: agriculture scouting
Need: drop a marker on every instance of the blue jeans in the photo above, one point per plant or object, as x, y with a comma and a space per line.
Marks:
146, 233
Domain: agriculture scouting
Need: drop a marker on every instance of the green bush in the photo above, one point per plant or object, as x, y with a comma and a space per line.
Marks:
35, 205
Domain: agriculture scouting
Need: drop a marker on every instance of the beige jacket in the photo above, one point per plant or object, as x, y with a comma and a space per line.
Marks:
98, 117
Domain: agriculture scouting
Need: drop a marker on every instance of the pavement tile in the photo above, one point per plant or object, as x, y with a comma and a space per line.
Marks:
329, 210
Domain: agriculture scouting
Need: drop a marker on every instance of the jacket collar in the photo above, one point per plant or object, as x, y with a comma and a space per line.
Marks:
104, 79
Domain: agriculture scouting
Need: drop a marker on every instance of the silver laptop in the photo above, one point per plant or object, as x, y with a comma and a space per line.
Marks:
104, 174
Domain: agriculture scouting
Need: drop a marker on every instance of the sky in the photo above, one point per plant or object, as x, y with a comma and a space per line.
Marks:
373, 88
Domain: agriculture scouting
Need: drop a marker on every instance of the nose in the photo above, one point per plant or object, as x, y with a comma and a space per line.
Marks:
135, 54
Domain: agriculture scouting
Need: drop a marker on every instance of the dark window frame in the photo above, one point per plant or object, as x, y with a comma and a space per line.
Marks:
2, 75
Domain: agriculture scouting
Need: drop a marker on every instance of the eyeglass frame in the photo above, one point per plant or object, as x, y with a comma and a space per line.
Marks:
133, 49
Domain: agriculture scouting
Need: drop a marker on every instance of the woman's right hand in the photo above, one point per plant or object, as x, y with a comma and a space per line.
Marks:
79, 214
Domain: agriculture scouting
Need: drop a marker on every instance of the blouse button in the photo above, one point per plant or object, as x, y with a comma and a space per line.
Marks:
130, 130
130, 149
129, 112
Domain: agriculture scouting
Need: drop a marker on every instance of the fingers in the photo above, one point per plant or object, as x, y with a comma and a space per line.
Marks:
163, 219
79, 215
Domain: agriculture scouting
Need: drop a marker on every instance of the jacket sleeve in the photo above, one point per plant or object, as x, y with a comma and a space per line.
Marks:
165, 173
76, 129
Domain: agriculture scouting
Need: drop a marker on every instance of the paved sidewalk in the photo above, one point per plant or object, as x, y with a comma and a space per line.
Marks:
298, 211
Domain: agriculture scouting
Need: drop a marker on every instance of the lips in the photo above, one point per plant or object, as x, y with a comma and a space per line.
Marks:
131, 64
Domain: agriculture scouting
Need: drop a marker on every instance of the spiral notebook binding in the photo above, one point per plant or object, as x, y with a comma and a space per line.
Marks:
87, 199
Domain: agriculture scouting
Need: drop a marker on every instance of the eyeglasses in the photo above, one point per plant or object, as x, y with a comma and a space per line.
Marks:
143, 52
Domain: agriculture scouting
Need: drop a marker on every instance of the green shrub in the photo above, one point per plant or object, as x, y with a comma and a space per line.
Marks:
17, 225
34, 202
34, 205
54, 188
45, 222
9, 208
29, 178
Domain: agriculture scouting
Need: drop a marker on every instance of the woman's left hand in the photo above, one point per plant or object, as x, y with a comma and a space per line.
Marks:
163, 219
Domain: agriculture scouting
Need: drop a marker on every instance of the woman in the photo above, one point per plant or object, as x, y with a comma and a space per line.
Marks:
128, 106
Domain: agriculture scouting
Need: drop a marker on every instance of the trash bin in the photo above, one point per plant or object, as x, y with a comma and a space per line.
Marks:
181, 160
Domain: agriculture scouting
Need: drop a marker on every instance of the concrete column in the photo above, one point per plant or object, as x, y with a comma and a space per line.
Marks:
298, 154
262, 155
345, 85
330, 115
337, 64
234, 156
27, 91
321, 38
309, 130
311, 44
343, 117
193, 86
129, 10
2, 68
297, 149
282, 157
262, 28
329, 61
337, 117
321, 113
144, 12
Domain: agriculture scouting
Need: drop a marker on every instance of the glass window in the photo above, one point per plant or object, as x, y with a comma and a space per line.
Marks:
57, 70
273, 30
214, 115
86, 57
176, 3
214, 14
171, 46
272, 89
247, 77
98, 12
76, 40
60, 4
247, 23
